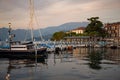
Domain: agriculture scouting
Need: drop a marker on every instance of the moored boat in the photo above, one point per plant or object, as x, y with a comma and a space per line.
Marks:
23, 49
20, 48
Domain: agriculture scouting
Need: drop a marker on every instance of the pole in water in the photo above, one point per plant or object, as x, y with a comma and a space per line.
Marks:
35, 53
7, 77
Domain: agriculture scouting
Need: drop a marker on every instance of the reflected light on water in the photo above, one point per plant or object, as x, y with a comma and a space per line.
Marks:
80, 63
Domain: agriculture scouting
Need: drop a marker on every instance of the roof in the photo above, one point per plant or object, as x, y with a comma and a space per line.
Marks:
112, 24
80, 28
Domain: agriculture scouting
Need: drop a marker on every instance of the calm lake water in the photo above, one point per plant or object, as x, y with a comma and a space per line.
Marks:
79, 64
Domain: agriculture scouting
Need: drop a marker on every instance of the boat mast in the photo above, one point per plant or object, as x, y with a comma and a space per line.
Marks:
31, 18
31, 23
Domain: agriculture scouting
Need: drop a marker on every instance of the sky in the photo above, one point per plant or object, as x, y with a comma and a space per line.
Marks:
56, 12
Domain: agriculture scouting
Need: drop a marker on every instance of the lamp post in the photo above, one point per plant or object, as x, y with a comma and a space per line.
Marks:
9, 34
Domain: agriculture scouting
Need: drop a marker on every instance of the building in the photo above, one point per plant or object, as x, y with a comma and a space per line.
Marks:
79, 30
77, 38
113, 30
113, 37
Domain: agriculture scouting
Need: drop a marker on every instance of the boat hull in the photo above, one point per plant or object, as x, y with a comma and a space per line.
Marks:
22, 53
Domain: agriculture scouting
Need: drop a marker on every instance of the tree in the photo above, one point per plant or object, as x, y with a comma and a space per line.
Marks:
95, 28
58, 36
95, 58
71, 34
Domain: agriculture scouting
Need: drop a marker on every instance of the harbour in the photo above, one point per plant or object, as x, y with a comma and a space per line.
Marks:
79, 63
59, 40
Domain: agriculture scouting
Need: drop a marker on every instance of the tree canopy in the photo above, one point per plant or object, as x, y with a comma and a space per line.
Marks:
95, 27
58, 36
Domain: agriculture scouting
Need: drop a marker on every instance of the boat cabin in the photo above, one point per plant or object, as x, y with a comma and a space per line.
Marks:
17, 45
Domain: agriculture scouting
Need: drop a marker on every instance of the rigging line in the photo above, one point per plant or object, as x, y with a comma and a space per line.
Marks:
39, 29
27, 29
36, 20
29, 25
26, 35
33, 16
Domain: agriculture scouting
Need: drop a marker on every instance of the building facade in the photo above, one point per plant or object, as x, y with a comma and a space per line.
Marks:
113, 37
77, 39
79, 30
113, 30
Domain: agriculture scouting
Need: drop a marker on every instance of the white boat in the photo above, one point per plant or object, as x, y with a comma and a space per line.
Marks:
17, 47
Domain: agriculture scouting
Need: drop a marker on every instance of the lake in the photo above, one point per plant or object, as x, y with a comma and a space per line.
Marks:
77, 64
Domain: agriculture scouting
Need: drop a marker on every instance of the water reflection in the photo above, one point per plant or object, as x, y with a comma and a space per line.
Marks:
80, 53
98, 56
78, 64
18, 63
113, 55
95, 57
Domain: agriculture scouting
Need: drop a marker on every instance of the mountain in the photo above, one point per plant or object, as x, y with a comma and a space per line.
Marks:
46, 32
64, 27
3, 34
19, 34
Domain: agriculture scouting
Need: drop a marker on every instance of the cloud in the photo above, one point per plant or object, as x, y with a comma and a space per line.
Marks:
55, 12
78, 5
70, 10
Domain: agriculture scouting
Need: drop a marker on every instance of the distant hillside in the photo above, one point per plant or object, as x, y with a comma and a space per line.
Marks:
3, 33
19, 34
64, 27
46, 32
